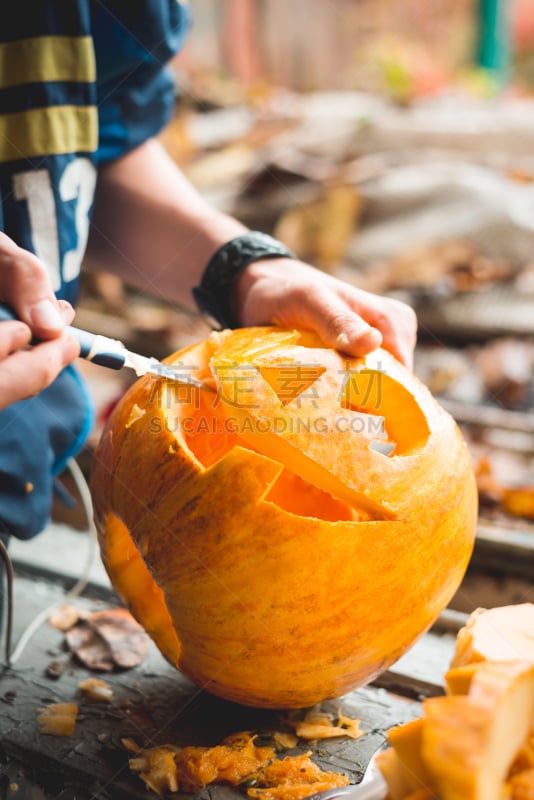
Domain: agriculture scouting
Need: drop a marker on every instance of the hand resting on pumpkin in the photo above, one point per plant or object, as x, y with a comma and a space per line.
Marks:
295, 295
25, 286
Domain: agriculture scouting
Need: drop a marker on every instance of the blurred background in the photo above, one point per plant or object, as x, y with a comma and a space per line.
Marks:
403, 49
391, 143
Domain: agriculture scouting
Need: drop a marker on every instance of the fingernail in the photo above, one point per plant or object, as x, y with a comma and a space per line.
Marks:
374, 335
66, 311
342, 340
364, 340
45, 315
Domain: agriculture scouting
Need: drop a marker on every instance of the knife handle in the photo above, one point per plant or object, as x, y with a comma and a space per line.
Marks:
93, 347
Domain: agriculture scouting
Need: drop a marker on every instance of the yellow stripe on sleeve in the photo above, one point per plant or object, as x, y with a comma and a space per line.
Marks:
47, 58
48, 131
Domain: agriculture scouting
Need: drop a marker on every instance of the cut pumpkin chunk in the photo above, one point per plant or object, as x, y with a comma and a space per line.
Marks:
522, 785
477, 742
394, 774
497, 634
402, 766
469, 742
525, 758
406, 740
422, 794
458, 679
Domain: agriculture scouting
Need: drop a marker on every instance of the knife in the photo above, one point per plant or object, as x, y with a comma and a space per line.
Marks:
372, 786
113, 354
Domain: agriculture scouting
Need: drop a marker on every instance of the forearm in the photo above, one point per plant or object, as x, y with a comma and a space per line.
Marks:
151, 227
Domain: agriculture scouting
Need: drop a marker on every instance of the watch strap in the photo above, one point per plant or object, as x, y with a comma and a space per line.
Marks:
213, 295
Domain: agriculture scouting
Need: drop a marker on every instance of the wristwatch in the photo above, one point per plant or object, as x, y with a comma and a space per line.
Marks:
214, 294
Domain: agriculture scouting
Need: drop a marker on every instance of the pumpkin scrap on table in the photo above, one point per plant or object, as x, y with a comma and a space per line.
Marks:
288, 537
318, 724
96, 690
58, 719
237, 761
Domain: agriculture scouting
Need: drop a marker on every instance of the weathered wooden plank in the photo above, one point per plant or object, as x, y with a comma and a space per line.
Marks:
153, 704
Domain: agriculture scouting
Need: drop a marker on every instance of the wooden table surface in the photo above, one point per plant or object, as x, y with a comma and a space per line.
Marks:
154, 704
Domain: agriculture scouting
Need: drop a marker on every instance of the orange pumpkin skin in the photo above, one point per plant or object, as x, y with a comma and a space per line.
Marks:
275, 556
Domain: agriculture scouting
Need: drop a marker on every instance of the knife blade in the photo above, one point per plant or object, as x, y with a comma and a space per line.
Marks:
113, 354
371, 787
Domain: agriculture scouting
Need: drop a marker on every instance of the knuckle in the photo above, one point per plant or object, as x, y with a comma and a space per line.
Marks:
338, 321
304, 295
23, 269
43, 368
29, 265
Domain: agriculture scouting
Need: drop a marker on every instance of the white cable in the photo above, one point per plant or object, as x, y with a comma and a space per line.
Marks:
81, 583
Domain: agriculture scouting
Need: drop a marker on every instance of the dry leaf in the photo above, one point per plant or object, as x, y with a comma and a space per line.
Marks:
109, 639
89, 648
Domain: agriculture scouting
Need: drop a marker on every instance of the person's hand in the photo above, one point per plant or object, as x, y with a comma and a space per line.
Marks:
295, 295
25, 286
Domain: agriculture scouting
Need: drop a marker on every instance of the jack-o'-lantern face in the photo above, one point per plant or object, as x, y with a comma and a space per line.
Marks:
288, 536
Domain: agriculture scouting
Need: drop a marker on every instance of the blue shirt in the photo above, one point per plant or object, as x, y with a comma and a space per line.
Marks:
81, 82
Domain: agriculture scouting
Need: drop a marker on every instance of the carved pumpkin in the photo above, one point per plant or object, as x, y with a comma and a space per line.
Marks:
287, 539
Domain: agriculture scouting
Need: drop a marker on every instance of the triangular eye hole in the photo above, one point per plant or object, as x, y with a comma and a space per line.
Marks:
290, 381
